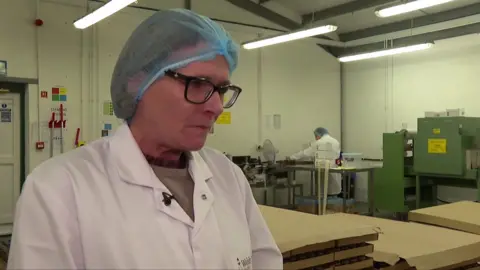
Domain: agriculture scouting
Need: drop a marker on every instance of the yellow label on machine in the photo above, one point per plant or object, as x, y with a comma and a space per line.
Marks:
437, 146
436, 131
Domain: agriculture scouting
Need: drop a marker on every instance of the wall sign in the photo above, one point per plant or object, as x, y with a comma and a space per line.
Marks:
44, 94
107, 108
224, 119
5, 114
59, 94
3, 68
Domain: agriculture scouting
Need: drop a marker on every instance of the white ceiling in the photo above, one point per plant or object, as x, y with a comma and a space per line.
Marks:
364, 18
293, 9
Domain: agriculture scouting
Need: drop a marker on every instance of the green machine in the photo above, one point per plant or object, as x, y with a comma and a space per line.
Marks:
443, 151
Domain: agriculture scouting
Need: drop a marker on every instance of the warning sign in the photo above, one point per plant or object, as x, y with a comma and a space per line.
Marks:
5, 114
437, 146
107, 108
224, 119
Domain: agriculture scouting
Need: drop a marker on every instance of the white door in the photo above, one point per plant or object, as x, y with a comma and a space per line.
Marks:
9, 155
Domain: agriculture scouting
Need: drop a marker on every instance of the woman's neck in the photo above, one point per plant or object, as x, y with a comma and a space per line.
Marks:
157, 154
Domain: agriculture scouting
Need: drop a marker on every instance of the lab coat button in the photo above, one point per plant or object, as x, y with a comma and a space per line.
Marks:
204, 197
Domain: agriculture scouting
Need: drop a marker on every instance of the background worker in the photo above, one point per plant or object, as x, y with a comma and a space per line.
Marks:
330, 147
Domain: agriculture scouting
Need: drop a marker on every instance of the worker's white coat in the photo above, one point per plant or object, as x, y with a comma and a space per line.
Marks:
325, 143
100, 207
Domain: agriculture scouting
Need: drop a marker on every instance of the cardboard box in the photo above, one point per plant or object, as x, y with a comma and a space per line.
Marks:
462, 216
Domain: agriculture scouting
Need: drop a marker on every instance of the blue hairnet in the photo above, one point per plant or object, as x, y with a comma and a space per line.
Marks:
320, 131
167, 40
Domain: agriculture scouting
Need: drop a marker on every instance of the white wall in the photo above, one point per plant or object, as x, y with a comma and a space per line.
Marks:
303, 89
379, 95
299, 81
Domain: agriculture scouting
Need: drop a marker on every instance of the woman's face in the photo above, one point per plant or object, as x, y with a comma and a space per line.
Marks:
177, 123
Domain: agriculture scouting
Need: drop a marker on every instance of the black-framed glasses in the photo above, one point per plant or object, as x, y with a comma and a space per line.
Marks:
200, 90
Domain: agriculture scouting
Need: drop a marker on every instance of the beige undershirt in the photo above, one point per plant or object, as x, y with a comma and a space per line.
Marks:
180, 184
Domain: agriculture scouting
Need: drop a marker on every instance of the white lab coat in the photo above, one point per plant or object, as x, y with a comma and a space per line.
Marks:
325, 143
100, 207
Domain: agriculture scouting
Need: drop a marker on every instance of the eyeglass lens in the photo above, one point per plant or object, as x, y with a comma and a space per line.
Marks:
200, 90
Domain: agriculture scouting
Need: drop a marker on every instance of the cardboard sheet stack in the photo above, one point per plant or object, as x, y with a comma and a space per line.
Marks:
344, 241
463, 216
314, 242
407, 245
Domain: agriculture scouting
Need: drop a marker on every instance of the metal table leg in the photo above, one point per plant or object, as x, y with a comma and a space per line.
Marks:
344, 192
300, 187
312, 183
321, 192
346, 189
289, 195
417, 191
371, 192
290, 180
274, 195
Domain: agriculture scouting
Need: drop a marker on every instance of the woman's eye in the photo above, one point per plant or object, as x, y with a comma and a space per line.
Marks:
200, 85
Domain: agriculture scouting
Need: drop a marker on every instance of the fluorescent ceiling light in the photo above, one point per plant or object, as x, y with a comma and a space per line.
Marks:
388, 52
409, 7
290, 36
101, 13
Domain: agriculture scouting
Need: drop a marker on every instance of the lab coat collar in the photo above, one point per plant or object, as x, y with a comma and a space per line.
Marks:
134, 168
198, 168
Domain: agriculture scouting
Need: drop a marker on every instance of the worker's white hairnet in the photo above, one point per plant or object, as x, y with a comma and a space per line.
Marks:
167, 40
320, 131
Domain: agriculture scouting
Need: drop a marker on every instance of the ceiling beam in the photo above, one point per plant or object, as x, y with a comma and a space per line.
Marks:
342, 9
412, 23
263, 1
410, 40
271, 16
265, 13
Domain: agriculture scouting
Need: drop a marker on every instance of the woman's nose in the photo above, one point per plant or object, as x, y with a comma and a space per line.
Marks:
215, 104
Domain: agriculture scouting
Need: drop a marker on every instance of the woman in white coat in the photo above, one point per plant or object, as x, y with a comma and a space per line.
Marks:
323, 142
151, 196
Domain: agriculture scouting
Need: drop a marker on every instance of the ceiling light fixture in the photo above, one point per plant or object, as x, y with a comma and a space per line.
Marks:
289, 37
408, 7
101, 13
388, 52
